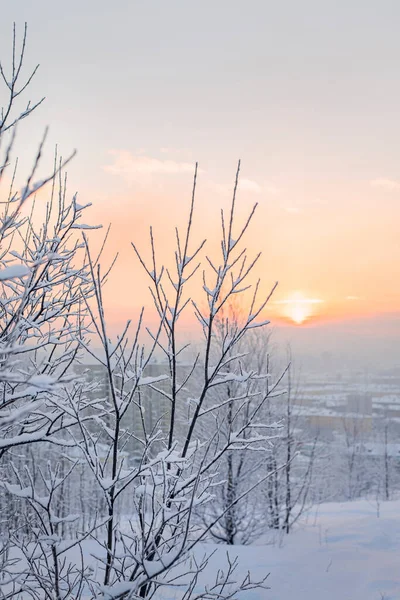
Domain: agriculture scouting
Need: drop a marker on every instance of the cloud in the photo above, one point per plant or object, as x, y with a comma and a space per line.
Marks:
270, 188
136, 166
248, 185
387, 184
305, 204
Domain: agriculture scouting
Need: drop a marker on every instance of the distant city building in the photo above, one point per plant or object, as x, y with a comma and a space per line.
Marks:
359, 403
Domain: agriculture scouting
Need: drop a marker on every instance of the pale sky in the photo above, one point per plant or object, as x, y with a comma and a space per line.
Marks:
306, 93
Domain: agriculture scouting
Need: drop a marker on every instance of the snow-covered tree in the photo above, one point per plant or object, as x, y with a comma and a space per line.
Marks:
292, 460
65, 451
245, 390
165, 486
43, 278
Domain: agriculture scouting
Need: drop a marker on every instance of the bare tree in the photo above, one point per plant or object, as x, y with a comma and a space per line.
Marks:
42, 318
289, 493
240, 468
299, 466
166, 486
55, 433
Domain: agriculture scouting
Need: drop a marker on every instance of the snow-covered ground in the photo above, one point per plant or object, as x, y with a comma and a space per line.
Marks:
341, 551
345, 552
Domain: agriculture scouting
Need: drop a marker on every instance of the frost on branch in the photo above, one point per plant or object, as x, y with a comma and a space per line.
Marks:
115, 465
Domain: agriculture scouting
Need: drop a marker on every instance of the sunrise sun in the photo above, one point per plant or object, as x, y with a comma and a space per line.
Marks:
297, 308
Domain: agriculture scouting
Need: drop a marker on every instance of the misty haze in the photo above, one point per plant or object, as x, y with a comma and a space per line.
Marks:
199, 300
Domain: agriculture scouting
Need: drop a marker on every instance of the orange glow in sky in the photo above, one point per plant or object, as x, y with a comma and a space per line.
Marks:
299, 309
333, 260
317, 133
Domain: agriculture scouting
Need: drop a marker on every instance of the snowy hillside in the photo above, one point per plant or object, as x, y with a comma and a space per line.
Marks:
345, 552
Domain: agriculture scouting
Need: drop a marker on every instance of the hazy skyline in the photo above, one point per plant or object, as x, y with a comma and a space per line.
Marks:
306, 94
